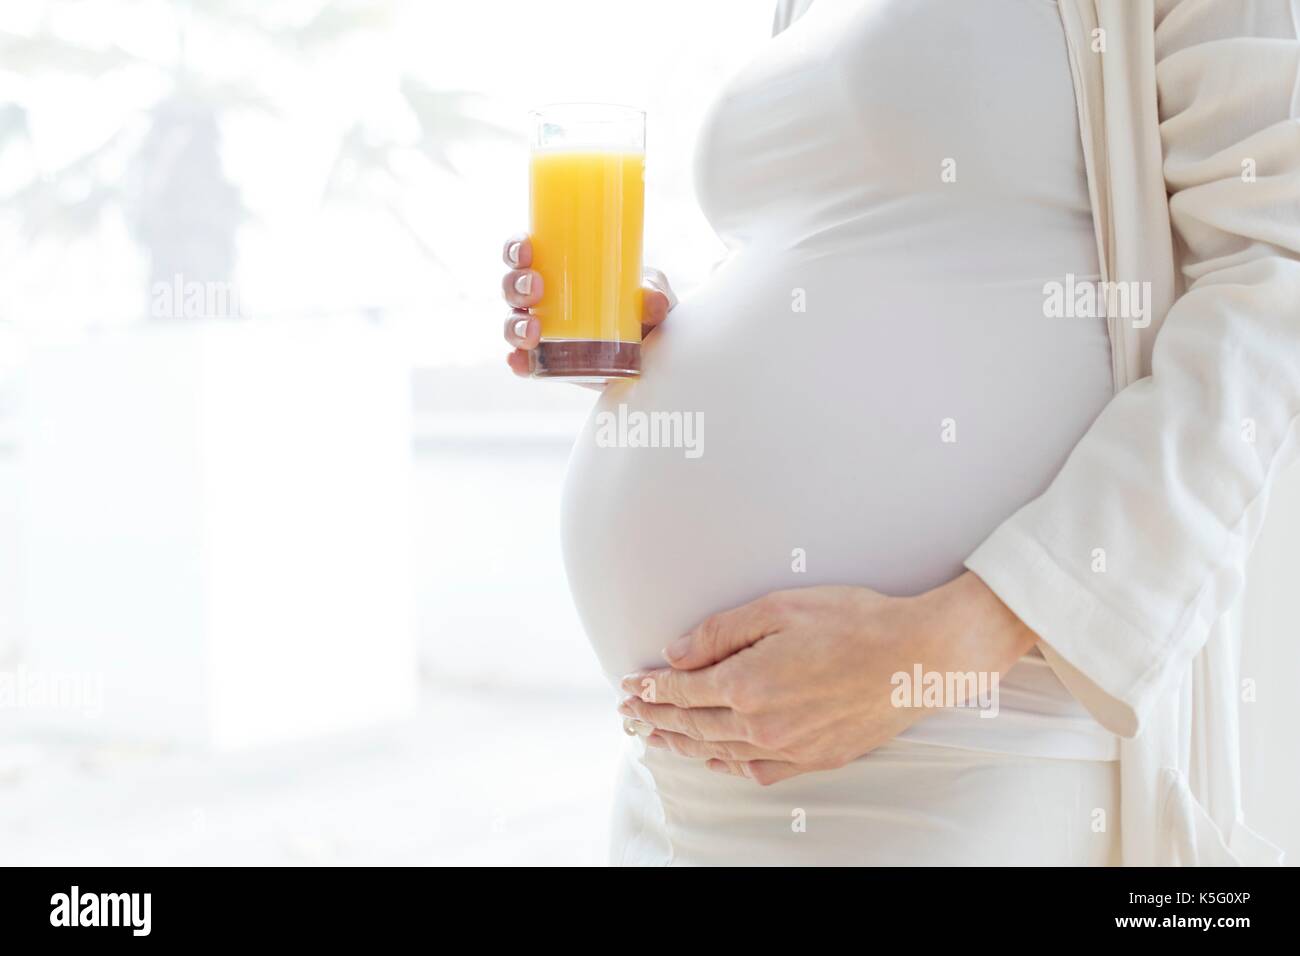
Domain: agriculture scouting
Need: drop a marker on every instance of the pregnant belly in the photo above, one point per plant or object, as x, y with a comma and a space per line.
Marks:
854, 425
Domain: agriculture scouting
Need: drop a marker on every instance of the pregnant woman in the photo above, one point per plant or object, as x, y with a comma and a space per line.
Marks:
928, 462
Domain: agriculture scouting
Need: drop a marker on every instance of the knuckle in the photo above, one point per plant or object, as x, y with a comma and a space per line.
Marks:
777, 606
788, 601
741, 698
668, 690
677, 744
751, 731
706, 634
730, 686
748, 694
768, 734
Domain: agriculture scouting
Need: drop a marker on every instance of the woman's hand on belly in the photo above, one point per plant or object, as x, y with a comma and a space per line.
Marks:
522, 289
804, 680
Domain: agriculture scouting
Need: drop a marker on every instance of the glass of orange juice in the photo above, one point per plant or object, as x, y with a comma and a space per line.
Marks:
587, 192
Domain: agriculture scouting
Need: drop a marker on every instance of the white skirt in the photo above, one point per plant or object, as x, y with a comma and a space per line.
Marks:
904, 804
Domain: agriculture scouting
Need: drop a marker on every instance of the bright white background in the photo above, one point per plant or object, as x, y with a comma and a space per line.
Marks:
334, 163
349, 169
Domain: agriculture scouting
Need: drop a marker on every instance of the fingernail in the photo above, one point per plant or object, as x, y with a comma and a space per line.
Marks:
637, 728
717, 766
512, 253
625, 708
524, 284
521, 328
631, 683
654, 740
677, 649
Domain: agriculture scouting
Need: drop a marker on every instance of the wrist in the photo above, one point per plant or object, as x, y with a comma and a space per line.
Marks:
973, 629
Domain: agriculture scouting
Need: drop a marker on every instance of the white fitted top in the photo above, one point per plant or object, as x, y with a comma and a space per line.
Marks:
878, 382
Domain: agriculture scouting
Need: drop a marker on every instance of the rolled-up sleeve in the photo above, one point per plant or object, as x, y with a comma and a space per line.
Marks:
1140, 543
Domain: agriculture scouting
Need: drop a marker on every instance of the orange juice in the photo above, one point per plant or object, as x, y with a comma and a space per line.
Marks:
587, 214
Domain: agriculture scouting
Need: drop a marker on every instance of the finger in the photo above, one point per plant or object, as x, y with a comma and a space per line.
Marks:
654, 309
719, 636
680, 688
685, 746
702, 723
654, 279
767, 772
518, 252
523, 331
735, 768
636, 728
518, 362
657, 299
522, 287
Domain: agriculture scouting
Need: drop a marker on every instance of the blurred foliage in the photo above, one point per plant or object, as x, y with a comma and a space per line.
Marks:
163, 170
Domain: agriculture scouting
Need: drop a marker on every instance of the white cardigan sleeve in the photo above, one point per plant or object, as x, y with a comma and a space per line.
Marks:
1139, 544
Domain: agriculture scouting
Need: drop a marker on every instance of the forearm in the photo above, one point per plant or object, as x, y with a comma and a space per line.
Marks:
964, 626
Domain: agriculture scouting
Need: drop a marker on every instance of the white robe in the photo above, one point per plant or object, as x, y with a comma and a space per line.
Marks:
1188, 116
